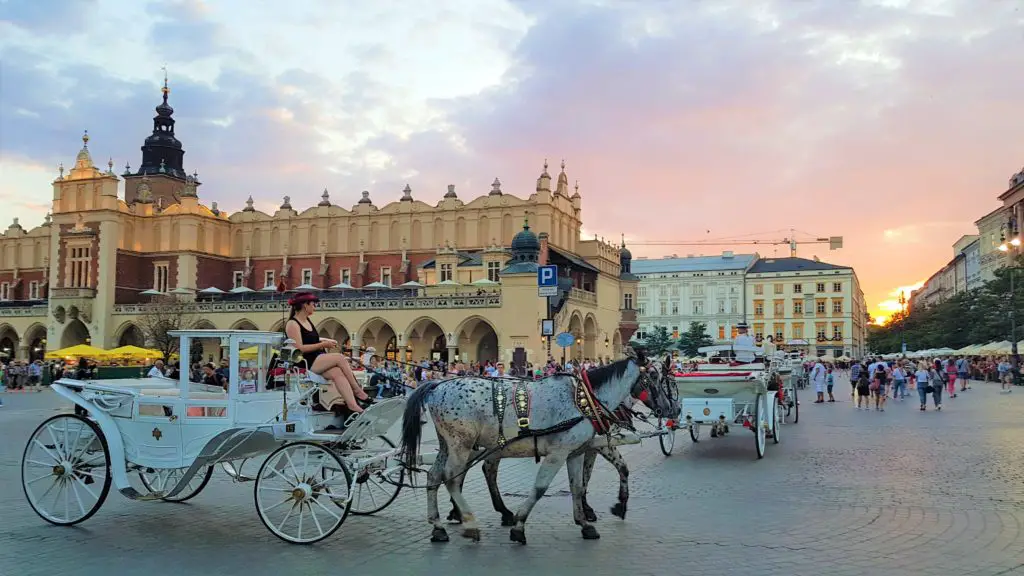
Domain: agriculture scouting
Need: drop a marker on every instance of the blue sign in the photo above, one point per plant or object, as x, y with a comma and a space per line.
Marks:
565, 339
547, 275
547, 280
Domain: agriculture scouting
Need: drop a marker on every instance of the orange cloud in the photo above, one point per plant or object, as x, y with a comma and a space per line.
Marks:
886, 308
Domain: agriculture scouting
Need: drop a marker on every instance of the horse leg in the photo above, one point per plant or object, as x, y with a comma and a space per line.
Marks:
456, 463
455, 516
491, 475
614, 457
574, 465
589, 458
548, 469
435, 477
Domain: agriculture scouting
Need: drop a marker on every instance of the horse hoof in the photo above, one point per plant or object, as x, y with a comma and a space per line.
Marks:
619, 510
471, 534
590, 515
508, 519
590, 533
455, 517
439, 535
517, 535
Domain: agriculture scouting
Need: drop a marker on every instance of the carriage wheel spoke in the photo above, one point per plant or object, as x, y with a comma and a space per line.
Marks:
276, 472
82, 483
39, 464
78, 437
291, 465
43, 477
326, 509
316, 522
78, 498
47, 450
284, 521
57, 446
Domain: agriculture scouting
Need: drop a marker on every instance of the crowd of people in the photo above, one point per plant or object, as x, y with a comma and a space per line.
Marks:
873, 381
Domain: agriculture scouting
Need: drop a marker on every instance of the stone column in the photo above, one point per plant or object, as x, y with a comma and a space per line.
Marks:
452, 349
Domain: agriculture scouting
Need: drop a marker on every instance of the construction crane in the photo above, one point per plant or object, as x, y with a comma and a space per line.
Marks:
834, 242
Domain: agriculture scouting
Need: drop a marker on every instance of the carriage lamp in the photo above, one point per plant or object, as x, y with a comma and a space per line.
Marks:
606, 342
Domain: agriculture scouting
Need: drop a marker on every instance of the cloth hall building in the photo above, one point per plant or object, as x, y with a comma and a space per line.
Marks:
453, 280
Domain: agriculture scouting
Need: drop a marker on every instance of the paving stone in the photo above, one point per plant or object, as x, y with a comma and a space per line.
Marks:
845, 492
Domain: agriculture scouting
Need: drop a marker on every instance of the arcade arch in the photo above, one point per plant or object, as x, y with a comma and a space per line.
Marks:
424, 337
205, 349
477, 340
590, 333
35, 336
75, 333
379, 334
335, 330
9, 341
128, 334
576, 329
244, 324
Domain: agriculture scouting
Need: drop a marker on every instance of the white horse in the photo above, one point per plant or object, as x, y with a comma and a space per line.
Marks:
472, 413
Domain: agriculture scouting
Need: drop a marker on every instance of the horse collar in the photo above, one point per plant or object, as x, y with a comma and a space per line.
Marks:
591, 408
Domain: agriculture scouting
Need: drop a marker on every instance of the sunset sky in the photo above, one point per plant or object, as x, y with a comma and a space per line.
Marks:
892, 123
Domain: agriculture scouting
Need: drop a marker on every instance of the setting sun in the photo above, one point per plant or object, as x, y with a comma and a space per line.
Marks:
886, 308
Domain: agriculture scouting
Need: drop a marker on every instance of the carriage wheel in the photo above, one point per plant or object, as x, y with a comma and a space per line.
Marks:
777, 420
378, 485
695, 432
760, 419
295, 489
65, 469
667, 438
165, 479
792, 405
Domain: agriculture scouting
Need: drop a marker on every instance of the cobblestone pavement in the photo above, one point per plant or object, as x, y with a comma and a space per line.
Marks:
846, 492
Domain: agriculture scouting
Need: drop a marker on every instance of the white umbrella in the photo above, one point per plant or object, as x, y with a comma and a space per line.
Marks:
303, 287
211, 290
181, 290
448, 283
341, 286
268, 289
151, 292
411, 284
241, 290
485, 282
376, 286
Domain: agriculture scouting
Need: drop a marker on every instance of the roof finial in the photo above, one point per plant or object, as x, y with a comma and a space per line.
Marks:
325, 199
60, 169
85, 139
166, 90
110, 165
249, 206
545, 165
526, 221
623, 240
563, 164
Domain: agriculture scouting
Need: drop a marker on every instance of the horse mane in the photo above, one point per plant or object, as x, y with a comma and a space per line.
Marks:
599, 376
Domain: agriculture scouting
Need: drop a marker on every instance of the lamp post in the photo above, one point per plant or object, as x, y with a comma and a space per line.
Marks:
1013, 247
903, 320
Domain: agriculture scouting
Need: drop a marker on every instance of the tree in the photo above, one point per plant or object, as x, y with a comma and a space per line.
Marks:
658, 341
696, 336
163, 317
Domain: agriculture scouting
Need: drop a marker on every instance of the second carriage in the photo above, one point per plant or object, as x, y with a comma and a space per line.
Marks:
722, 395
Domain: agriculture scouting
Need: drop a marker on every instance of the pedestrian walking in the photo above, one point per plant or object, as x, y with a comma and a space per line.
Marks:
899, 382
830, 381
818, 375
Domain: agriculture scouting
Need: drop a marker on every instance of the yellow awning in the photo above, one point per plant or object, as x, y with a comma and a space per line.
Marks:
134, 352
252, 353
79, 351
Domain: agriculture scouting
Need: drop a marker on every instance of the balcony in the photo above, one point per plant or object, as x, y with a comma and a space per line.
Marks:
492, 300
72, 293
15, 309
583, 296
628, 316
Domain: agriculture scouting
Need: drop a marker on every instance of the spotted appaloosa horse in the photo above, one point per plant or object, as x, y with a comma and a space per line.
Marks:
661, 405
463, 411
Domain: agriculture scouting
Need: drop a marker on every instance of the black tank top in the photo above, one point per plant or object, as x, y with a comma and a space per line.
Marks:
309, 336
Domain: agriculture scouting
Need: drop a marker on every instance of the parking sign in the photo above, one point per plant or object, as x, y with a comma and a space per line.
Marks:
547, 280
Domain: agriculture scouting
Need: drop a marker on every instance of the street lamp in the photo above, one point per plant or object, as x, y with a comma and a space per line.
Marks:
1005, 246
903, 320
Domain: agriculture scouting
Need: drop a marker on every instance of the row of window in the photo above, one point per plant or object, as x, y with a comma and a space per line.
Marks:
673, 290
33, 290
672, 308
820, 307
693, 274
798, 288
778, 335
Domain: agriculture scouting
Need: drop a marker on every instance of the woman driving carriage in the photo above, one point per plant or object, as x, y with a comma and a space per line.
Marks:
333, 366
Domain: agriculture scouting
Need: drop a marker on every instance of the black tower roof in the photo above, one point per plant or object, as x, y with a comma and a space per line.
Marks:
162, 152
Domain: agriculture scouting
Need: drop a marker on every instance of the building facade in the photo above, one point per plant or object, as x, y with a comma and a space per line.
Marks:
807, 305
676, 292
991, 234
455, 280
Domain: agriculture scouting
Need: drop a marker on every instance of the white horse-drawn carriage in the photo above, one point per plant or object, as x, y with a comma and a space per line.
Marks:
725, 394
169, 435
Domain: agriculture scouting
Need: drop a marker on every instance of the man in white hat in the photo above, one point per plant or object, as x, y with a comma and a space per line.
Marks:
743, 338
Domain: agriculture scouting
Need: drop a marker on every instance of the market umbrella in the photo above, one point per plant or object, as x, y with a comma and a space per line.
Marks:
252, 353
241, 290
134, 352
411, 284
304, 288
341, 286
376, 286
211, 290
485, 282
79, 351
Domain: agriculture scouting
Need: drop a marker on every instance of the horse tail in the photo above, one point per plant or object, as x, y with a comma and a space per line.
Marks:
412, 425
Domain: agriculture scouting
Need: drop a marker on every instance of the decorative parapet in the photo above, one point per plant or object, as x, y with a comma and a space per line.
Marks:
341, 305
23, 311
67, 293
582, 296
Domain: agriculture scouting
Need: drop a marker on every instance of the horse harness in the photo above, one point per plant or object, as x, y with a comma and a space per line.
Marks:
590, 407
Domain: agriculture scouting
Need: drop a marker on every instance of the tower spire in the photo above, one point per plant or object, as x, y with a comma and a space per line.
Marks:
165, 90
